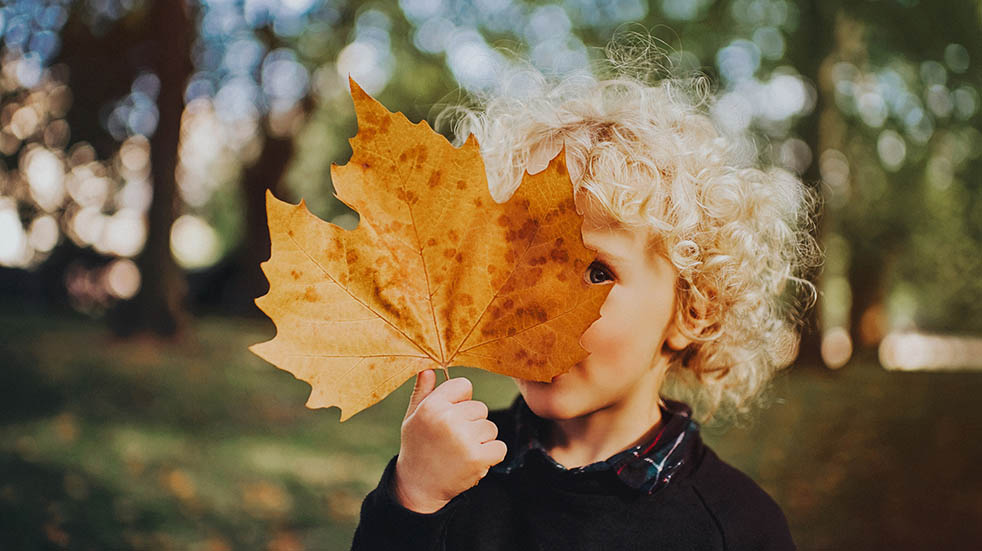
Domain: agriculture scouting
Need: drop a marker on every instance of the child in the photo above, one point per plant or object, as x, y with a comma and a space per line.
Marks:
699, 246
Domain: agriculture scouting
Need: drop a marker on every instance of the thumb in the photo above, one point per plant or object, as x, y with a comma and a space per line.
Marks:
425, 383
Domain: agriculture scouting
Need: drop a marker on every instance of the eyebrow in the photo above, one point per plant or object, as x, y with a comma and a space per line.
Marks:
609, 257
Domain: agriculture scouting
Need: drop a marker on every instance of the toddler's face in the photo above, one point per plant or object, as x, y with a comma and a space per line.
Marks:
628, 359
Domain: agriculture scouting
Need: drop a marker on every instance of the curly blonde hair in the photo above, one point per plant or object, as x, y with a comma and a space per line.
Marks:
652, 157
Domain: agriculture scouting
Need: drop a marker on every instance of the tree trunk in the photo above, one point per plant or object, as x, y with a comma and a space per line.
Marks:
866, 278
810, 49
247, 281
159, 307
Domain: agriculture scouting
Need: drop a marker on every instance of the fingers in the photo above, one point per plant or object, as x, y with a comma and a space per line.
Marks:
484, 431
458, 389
425, 382
472, 410
493, 452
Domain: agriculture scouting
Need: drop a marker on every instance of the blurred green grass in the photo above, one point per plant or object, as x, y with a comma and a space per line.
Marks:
111, 444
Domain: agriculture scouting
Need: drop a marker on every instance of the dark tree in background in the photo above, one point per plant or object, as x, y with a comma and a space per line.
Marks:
160, 307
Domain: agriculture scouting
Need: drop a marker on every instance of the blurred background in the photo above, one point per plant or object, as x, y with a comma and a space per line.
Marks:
138, 137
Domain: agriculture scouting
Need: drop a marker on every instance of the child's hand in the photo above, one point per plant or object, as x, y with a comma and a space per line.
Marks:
448, 444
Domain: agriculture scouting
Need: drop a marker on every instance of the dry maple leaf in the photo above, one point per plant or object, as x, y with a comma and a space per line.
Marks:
436, 274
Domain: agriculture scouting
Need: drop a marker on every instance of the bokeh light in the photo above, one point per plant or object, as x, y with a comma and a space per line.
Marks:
14, 248
194, 242
122, 278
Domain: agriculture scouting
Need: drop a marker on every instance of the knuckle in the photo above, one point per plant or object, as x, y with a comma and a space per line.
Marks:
461, 384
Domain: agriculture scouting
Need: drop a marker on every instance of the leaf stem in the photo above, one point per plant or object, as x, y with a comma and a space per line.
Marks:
446, 373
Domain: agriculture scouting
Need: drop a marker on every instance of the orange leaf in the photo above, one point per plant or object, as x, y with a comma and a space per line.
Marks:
436, 273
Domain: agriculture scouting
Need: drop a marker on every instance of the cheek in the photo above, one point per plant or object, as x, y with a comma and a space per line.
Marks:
610, 336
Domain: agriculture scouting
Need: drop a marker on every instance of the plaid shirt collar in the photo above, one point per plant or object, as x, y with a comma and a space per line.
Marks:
647, 467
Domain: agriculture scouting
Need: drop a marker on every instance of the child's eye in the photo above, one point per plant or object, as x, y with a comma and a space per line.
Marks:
598, 272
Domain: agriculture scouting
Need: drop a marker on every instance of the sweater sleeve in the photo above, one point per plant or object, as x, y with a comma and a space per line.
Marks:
385, 524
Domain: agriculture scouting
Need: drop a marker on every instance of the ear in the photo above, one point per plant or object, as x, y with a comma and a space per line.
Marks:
695, 323
675, 338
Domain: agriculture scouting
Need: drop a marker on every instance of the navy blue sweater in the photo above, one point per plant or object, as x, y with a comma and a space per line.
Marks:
706, 505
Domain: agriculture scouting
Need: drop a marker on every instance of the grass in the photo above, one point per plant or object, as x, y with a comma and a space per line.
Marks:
109, 444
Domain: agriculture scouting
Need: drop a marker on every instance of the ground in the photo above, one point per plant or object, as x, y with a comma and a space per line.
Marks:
109, 444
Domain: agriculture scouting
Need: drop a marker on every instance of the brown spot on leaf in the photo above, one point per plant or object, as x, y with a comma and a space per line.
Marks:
295, 274
434, 180
548, 341
310, 295
492, 269
478, 203
453, 235
366, 165
459, 257
503, 221
289, 232
511, 331
351, 257
430, 242
449, 253
386, 304
461, 184
508, 304
528, 230
559, 255
466, 299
